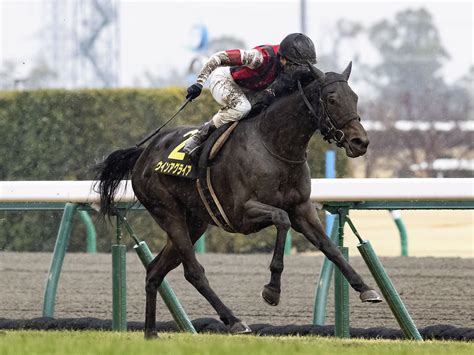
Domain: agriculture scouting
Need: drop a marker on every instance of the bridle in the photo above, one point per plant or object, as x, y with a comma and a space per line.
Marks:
329, 127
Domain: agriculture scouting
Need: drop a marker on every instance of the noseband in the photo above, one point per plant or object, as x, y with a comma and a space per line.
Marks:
328, 126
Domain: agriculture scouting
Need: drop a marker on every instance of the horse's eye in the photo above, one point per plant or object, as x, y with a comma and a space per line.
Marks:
331, 100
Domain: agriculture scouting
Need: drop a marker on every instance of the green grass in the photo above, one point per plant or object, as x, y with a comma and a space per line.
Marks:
89, 342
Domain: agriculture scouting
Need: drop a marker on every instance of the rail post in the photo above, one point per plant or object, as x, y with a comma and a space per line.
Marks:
397, 218
325, 277
91, 235
386, 286
60, 248
288, 243
388, 290
341, 286
119, 282
200, 245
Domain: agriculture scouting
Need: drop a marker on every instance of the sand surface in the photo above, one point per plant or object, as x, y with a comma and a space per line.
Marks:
435, 290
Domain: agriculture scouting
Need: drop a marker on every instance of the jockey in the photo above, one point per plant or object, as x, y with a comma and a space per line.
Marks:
237, 75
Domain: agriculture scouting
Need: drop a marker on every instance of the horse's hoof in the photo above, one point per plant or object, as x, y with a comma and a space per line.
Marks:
151, 335
271, 295
370, 296
240, 328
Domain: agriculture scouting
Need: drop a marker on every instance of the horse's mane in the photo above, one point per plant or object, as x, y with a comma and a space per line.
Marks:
284, 86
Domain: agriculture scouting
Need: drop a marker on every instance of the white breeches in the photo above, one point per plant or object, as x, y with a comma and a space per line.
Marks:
226, 92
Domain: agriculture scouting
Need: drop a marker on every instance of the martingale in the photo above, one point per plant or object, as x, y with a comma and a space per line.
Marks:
175, 162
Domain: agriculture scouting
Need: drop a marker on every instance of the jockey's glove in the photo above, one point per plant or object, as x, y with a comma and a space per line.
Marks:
194, 91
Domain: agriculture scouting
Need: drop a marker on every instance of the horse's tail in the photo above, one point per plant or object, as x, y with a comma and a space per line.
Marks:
115, 168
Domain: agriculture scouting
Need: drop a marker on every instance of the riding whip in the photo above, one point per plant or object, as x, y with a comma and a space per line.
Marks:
152, 134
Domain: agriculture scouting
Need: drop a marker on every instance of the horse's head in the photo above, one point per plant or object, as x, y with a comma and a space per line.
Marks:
339, 120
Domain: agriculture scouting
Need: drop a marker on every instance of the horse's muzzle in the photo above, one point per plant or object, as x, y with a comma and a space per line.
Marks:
356, 146
360, 144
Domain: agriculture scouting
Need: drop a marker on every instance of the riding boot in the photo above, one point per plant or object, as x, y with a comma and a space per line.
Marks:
199, 137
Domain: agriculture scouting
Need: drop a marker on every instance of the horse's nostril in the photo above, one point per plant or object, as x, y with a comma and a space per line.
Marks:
361, 143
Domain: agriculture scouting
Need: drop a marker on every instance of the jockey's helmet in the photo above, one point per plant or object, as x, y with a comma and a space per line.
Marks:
298, 48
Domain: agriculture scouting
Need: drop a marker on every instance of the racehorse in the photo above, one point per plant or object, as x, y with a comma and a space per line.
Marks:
261, 178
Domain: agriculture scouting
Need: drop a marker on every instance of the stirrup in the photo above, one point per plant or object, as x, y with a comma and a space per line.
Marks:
199, 137
192, 145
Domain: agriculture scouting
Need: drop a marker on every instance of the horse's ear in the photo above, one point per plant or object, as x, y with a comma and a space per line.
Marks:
347, 72
318, 74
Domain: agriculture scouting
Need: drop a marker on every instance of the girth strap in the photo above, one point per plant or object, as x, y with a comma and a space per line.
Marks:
211, 202
203, 183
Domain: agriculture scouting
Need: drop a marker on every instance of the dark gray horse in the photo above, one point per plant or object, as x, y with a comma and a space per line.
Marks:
261, 178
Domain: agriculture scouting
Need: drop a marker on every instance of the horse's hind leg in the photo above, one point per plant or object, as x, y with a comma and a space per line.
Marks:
163, 263
306, 221
167, 260
175, 225
257, 213
195, 275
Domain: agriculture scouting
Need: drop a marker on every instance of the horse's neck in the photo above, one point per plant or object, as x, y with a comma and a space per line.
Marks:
287, 126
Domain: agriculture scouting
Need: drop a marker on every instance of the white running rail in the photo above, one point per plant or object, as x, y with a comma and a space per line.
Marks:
322, 190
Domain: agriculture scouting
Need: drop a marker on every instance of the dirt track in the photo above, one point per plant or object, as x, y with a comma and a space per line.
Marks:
435, 290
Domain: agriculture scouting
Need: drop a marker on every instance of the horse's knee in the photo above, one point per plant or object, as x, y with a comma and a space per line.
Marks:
194, 277
329, 249
281, 220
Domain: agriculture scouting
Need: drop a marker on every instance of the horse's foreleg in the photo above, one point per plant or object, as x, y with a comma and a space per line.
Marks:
164, 262
306, 221
257, 213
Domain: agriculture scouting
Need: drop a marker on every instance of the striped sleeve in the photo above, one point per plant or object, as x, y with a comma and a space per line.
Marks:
216, 60
233, 57
252, 58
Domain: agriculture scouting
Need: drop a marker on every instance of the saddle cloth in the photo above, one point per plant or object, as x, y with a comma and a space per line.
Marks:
175, 162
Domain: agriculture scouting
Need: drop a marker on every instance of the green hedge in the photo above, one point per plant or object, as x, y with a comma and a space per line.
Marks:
61, 134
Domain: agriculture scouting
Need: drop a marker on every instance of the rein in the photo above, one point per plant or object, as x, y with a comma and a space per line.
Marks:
330, 131
275, 155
